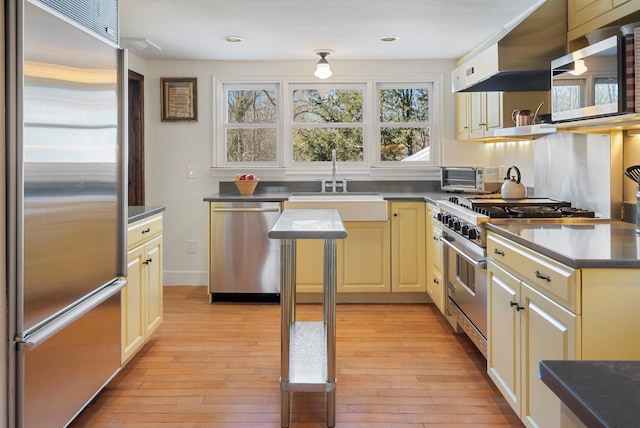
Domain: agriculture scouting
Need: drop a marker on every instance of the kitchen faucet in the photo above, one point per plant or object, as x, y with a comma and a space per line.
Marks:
334, 169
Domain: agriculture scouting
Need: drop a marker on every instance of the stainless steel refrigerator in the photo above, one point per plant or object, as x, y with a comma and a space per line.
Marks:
66, 150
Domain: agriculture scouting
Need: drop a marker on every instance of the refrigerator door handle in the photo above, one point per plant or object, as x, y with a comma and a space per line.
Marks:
49, 330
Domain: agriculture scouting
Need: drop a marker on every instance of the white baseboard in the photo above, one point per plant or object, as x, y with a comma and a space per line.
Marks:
185, 278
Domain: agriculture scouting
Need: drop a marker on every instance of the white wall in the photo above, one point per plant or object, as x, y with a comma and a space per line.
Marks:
171, 146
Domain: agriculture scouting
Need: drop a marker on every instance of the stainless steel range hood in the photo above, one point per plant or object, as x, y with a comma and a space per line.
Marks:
519, 57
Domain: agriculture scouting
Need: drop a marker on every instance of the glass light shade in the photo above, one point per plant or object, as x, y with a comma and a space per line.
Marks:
580, 68
323, 71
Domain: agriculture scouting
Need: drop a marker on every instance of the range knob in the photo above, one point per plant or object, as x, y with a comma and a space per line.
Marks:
439, 217
457, 225
451, 221
465, 229
474, 233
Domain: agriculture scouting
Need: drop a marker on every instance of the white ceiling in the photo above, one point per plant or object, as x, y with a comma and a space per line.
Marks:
292, 29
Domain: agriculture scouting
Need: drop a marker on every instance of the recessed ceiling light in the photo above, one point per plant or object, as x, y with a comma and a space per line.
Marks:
234, 39
389, 38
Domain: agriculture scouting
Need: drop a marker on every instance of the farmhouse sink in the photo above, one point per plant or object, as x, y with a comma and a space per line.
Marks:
354, 206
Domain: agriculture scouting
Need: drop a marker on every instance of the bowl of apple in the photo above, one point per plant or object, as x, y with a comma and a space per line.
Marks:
246, 183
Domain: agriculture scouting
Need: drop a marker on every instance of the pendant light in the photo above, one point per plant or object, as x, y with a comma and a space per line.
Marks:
323, 70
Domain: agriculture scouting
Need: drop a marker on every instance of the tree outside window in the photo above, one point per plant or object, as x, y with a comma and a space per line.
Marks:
326, 120
251, 125
405, 132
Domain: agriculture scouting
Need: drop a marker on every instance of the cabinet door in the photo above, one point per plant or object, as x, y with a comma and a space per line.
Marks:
408, 247
310, 265
477, 122
548, 332
493, 111
582, 11
436, 290
363, 259
132, 311
462, 115
154, 306
503, 356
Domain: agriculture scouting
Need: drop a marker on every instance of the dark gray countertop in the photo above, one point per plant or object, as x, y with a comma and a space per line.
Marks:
139, 212
279, 191
583, 244
600, 393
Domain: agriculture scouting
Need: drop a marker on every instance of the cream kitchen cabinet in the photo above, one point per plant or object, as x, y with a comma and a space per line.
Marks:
435, 279
540, 309
524, 328
142, 306
477, 114
362, 260
584, 16
375, 257
408, 272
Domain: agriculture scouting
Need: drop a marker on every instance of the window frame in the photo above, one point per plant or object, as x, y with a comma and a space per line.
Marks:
378, 124
220, 137
371, 166
290, 125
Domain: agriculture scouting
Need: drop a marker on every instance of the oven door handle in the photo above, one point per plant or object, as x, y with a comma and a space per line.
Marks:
480, 264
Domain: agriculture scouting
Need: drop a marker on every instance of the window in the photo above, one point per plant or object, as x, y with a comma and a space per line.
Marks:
404, 122
251, 124
567, 95
605, 90
325, 118
297, 125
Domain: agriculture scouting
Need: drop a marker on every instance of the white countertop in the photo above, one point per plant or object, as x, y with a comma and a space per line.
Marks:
308, 224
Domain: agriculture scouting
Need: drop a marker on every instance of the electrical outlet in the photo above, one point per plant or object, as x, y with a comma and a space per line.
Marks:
192, 246
191, 171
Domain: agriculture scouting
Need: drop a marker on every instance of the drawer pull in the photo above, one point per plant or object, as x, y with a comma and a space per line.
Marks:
518, 307
146, 262
436, 281
541, 276
498, 252
147, 230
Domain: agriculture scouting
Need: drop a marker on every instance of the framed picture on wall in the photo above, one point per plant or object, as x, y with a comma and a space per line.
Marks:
179, 99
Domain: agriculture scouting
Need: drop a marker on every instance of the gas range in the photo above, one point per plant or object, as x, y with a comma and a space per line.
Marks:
465, 215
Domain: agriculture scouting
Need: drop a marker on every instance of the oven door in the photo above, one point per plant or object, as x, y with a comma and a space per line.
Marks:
466, 280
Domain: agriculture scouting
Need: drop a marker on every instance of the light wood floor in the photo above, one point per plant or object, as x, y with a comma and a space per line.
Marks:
218, 365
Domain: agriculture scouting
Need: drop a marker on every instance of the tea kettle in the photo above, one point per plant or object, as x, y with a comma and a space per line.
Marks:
512, 188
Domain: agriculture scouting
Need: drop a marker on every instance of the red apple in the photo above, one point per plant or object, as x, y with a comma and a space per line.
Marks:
251, 177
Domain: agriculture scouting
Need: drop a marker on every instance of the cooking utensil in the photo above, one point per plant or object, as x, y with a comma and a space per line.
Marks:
633, 172
512, 188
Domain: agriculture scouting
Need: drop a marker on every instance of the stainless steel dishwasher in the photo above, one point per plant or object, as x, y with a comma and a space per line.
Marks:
244, 264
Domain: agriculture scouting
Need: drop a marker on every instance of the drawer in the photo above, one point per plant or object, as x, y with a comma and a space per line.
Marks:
553, 279
143, 230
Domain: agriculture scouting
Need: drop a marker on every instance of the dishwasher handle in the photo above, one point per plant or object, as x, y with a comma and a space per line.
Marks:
246, 210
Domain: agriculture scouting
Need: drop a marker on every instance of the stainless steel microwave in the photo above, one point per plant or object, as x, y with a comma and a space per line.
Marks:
478, 179
594, 81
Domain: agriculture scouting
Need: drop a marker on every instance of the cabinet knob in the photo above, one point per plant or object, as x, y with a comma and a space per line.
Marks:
395, 214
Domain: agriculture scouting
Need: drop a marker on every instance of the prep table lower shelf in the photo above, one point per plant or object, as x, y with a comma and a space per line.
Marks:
308, 358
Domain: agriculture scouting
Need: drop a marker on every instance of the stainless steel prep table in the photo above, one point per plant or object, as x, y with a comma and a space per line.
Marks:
308, 349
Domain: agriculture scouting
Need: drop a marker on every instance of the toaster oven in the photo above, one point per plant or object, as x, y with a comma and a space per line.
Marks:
471, 179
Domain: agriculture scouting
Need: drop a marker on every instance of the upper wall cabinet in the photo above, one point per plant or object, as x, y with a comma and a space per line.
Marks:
585, 16
480, 113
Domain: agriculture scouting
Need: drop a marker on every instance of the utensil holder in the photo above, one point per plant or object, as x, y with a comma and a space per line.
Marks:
638, 211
